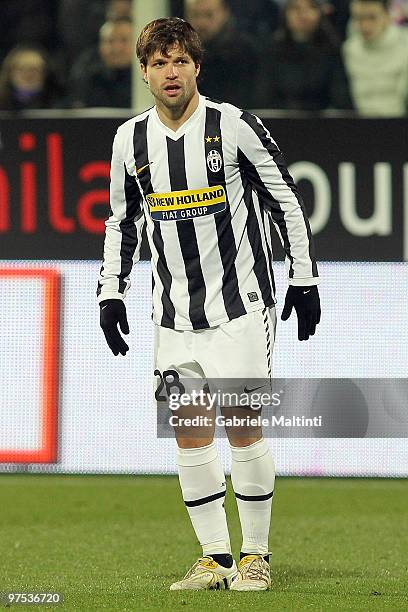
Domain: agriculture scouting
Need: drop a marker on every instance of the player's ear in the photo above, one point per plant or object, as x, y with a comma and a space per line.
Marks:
143, 71
198, 68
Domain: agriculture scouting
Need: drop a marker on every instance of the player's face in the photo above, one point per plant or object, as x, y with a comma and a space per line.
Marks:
172, 78
370, 19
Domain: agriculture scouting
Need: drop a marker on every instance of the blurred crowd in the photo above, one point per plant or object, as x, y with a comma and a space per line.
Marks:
309, 55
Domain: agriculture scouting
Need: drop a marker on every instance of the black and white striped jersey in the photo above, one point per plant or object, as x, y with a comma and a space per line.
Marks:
209, 194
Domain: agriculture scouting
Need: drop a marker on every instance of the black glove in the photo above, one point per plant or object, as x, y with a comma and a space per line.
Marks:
112, 313
307, 305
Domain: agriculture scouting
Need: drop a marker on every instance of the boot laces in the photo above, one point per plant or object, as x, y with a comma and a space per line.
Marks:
193, 569
256, 569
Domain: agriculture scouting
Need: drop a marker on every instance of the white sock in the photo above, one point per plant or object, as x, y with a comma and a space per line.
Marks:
203, 487
253, 479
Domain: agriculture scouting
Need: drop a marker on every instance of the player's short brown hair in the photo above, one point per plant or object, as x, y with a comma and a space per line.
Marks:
162, 34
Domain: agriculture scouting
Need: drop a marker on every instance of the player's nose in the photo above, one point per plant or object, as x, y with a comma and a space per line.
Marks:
172, 72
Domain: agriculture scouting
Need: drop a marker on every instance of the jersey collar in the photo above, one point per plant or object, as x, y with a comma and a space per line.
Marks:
187, 125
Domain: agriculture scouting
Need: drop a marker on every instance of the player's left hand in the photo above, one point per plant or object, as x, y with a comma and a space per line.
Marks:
306, 302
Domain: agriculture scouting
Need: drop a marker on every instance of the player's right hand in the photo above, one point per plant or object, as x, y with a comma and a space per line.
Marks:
114, 312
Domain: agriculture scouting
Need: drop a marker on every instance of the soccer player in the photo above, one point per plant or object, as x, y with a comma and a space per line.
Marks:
208, 181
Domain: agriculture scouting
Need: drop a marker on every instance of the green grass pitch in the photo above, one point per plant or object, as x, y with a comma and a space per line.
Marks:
117, 542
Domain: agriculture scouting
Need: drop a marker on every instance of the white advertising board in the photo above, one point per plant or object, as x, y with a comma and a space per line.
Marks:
106, 419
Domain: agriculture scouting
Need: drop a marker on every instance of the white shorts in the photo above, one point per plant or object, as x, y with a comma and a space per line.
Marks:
238, 349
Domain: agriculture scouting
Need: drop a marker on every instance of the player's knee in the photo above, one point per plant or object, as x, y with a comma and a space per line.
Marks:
241, 440
194, 442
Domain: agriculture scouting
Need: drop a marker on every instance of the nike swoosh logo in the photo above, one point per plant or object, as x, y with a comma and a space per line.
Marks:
246, 390
106, 305
308, 291
139, 170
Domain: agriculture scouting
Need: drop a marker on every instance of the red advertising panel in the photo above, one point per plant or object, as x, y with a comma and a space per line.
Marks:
49, 392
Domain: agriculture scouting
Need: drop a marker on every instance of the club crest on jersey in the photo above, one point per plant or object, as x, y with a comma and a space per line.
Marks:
214, 161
